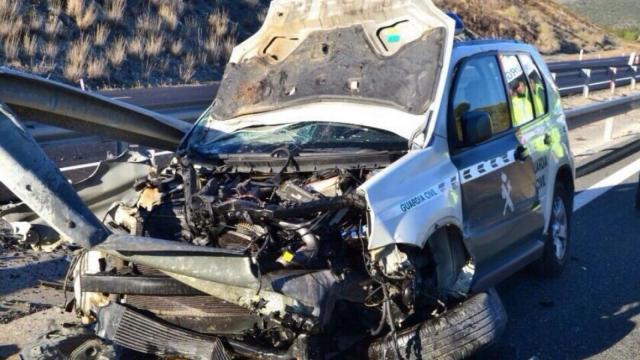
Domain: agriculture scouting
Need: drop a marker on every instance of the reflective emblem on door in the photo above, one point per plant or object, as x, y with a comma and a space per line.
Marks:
506, 195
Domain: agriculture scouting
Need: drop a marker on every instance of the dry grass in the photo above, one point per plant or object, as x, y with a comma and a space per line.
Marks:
84, 14
219, 22
10, 18
117, 53
148, 23
187, 67
136, 47
76, 58
97, 68
75, 8
114, 10
30, 45
52, 26
154, 45
44, 66
35, 21
88, 18
214, 46
169, 13
115, 42
80, 49
10, 8
55, 7
177, 48
229, 45
101, 35
50, 50
11, 47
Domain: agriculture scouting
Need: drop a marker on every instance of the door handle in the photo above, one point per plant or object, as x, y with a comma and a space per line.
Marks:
522, 153
547, 139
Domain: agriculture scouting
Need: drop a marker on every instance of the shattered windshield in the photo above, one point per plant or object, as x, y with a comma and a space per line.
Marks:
309, 137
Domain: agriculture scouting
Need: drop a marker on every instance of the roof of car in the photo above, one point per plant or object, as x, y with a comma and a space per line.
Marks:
478, 42
469, 47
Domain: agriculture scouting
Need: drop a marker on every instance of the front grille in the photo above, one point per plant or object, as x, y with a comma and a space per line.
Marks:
137, 332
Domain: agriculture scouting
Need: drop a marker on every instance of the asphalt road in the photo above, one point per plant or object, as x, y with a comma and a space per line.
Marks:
593, 309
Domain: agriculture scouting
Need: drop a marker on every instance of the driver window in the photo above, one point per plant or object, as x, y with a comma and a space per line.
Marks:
479, 87
521, 104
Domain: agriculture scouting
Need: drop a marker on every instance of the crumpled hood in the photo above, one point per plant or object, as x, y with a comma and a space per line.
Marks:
353, 62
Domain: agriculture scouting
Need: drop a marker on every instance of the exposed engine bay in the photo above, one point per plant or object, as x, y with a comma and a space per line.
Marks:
303, 230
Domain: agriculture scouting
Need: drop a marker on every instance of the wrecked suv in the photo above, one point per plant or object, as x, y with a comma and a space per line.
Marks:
360, 183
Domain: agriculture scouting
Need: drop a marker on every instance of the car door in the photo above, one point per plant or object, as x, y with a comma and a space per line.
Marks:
497, 177
539, 134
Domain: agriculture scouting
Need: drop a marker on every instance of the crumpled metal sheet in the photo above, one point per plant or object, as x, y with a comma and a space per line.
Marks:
49, 102
35, 179
112, 181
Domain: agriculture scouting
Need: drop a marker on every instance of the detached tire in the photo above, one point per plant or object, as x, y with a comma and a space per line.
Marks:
638, 196
473, 325
558, 239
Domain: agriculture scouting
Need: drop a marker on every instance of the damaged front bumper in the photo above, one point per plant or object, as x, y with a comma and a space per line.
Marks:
133, 330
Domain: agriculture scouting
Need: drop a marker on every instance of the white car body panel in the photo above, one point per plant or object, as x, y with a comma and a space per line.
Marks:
291, 21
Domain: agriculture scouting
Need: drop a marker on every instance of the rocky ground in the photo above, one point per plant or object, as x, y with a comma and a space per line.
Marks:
30, 301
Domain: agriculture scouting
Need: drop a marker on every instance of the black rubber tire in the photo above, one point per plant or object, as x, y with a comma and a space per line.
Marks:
549, 266
73, 342
638, 196
473, 325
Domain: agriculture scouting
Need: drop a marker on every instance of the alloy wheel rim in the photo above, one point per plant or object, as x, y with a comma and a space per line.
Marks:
559, 228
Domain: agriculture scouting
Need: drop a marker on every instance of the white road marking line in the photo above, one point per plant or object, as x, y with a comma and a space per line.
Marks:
86, 166
599, 189
79, 167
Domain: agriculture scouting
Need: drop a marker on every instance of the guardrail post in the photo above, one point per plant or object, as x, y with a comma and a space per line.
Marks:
586, 73
120, 146
633, 77
613, 71
632, 59
608, 130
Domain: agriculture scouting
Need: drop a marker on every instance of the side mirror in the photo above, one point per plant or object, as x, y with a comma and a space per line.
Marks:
476, 127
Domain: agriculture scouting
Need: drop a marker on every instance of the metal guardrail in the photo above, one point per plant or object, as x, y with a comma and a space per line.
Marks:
583, 76
606, 110
34, 98
603, 110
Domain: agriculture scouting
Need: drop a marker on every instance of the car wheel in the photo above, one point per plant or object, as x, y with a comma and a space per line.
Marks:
638, 197
462, 331
557, 241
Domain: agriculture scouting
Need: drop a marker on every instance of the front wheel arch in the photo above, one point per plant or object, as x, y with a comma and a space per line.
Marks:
451, 256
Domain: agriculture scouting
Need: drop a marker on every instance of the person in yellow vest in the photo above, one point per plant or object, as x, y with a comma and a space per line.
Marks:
522, 108
539, 101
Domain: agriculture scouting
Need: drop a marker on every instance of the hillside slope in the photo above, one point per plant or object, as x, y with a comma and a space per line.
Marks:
551, 27
613, 13
124, 43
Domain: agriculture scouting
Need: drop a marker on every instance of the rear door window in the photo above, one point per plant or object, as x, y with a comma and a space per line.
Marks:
479, 87
519, 93
536, 84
